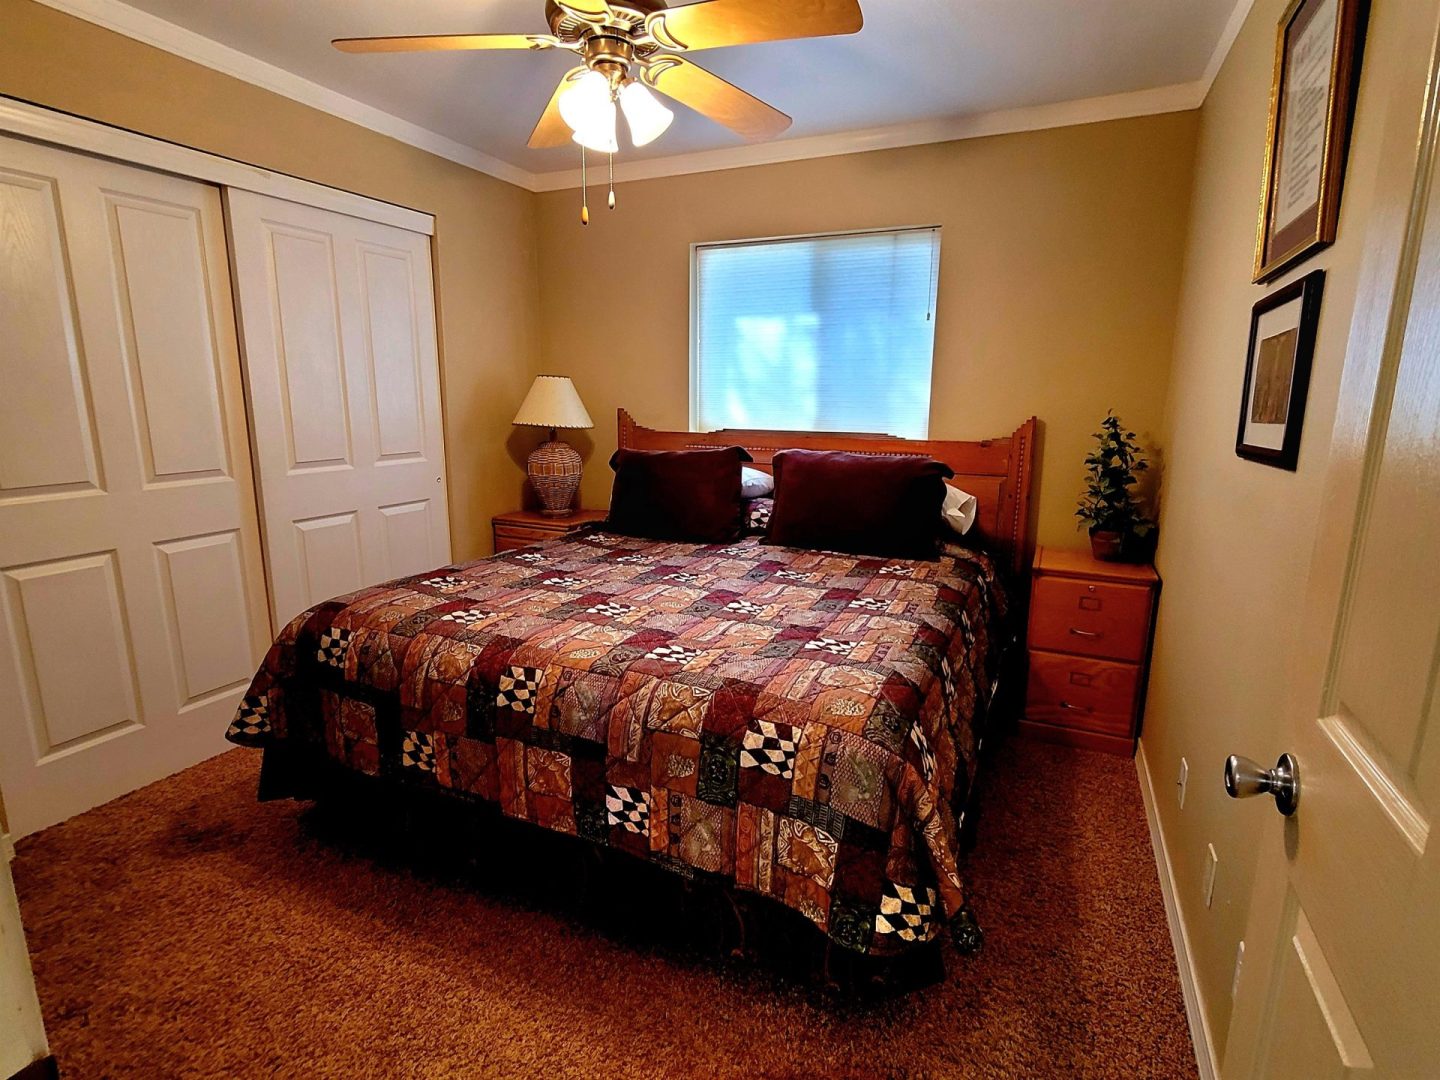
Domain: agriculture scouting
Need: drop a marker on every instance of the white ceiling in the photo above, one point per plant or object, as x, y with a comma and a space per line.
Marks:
916, 62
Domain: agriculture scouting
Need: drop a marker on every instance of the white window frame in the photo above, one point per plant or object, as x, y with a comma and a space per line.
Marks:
752, 241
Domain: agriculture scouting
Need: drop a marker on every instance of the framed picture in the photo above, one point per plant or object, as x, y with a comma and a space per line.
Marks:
1277, 372
1312, 101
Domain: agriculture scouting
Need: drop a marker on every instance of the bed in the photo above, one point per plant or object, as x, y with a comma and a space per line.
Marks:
790, 724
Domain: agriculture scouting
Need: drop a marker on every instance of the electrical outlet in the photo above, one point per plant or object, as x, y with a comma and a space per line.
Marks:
1211, 862
1184, 778
1239, 960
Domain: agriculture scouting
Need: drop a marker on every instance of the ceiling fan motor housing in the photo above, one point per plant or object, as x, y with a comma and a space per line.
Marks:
611, 44
564, 24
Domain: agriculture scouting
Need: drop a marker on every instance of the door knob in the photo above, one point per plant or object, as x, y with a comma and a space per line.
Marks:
1244, 778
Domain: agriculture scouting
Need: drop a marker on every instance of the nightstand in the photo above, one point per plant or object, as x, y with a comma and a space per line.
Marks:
1088, 649
520, 528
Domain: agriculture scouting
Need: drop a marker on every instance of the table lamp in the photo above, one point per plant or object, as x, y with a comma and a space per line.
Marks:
554, 467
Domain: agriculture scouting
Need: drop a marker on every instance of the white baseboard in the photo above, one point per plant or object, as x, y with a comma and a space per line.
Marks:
1189, 986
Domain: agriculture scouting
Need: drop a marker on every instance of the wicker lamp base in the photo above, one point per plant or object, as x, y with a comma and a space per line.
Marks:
554, 469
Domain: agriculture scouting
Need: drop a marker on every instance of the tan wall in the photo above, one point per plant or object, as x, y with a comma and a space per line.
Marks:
1060, 264
1236, 536
484, 228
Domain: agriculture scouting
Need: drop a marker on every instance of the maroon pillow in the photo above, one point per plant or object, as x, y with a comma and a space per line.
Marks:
863, 504
683, 495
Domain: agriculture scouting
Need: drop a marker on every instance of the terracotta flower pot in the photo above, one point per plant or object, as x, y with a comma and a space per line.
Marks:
1106, 544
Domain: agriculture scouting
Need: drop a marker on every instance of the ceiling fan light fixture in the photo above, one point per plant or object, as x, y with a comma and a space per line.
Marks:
646, 116
614, 41
588, 108
600, 139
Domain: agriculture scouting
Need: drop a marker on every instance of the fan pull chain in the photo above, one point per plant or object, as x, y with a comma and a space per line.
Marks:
612, 181
584, 190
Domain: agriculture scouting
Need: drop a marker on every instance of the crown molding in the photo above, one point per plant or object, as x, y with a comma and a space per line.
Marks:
155, 31
45, 125
1165, 99
140, 25
1233, 26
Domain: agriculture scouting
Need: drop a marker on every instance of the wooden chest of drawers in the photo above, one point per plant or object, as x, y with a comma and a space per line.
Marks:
521, 528
1088, 647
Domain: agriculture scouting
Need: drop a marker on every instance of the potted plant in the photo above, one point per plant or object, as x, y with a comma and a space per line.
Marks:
1109, 508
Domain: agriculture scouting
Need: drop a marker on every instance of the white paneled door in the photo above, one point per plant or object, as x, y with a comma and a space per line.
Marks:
1341, 972
338, 324
132, 604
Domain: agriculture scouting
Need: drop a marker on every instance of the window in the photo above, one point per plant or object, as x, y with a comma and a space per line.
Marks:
815, 333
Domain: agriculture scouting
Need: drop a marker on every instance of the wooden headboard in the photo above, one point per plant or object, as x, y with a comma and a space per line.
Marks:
996, 471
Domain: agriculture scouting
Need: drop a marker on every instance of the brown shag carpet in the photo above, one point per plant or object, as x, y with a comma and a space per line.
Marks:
186, 930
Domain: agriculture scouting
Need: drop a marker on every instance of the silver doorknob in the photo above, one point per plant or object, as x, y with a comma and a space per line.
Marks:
1244, 778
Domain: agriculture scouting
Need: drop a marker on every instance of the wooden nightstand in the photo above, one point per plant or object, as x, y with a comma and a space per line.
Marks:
1088, 648
520, 528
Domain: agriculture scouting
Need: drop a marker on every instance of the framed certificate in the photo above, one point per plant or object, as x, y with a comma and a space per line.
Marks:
1312, 101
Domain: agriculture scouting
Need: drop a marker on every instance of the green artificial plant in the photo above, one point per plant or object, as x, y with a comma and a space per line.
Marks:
1109, 504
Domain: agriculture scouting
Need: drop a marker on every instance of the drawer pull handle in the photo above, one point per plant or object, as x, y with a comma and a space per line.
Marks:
1086, 633
1076, 708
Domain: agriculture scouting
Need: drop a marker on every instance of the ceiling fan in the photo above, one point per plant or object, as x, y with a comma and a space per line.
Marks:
628, 46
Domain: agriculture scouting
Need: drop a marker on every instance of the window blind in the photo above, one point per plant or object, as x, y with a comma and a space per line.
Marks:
819, 333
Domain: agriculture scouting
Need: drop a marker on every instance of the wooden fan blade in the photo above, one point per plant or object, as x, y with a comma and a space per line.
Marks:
445, 43
551, 130
707, 93
713, 24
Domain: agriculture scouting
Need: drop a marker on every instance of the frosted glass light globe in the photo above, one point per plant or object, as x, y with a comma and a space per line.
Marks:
646, 117
589, 111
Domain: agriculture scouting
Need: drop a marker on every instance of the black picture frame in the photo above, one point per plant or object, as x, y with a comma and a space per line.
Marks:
1308, 291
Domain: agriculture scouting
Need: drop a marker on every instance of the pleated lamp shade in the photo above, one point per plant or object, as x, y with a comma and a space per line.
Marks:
554, 467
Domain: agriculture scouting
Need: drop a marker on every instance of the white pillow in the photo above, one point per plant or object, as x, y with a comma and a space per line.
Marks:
958, 509
755, 484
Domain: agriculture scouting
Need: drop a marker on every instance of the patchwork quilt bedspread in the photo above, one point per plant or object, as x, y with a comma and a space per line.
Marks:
801, 724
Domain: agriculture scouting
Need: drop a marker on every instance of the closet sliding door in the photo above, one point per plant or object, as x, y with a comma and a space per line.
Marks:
337, 322
132, 604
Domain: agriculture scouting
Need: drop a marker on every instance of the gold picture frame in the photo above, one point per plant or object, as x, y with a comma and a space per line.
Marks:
1318, 46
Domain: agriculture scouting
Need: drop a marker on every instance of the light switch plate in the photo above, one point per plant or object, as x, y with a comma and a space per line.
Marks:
1184, 779
1211, 862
